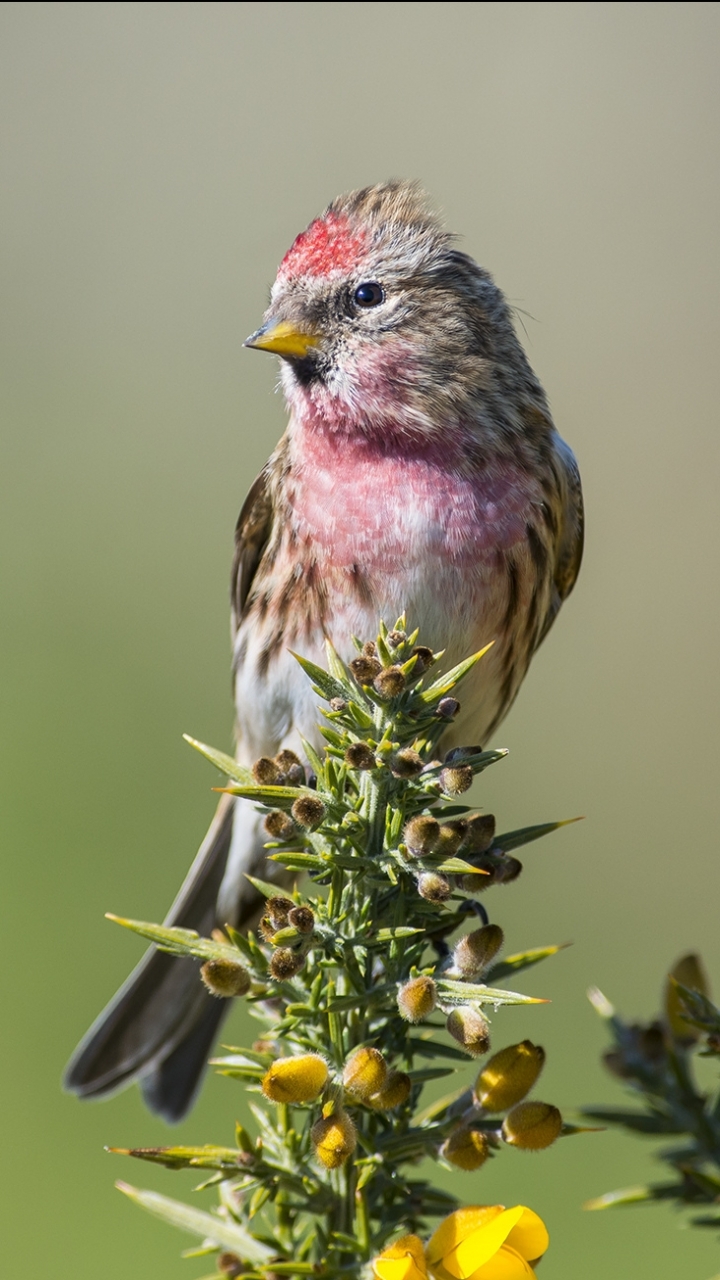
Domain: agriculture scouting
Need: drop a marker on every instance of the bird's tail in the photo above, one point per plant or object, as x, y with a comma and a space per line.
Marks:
160, 1026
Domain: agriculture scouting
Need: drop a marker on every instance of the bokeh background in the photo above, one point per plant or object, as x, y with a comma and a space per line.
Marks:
157, 161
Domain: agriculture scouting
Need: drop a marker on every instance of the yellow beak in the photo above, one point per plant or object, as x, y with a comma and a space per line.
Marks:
282, 338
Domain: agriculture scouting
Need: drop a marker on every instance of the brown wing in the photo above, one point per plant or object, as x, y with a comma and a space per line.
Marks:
252, 534
570, 536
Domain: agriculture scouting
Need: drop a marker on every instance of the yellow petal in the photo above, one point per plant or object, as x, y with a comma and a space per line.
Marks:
529, 1236
457, 1226
505, 1265
481, 1244
403, 1260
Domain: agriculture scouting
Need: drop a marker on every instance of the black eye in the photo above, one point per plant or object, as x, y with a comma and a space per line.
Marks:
369, 295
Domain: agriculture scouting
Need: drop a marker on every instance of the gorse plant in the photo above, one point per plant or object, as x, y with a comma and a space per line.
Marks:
364, 999
655, 1060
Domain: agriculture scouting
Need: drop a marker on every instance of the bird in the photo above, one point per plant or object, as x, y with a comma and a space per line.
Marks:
420, 473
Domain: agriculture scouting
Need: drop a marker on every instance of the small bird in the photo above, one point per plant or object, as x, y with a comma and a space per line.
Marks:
420, 473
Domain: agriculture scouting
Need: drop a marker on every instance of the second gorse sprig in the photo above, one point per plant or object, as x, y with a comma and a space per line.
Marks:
380, 978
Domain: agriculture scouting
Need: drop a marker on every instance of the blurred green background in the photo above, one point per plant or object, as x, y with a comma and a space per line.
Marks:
157, 161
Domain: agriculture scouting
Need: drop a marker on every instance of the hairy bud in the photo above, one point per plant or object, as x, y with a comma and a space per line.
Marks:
285, 963
369, 649
456, 779
389, 682
421, 835
365, 1072
393, 1093
417, 998
279, 908
365, 669
477, 950
447, 708
509, 1076
302, 919
406, 764
468, 1026
452, 835
480, 832
291, 768
359, 756
507, 869
466, 1148
228, 1264
300, 1079
425, 658
690, 973
338, 704
279, 825
225, 978
396, 638
308, 811
334, 1139
532, 1126
433, 887
266, 773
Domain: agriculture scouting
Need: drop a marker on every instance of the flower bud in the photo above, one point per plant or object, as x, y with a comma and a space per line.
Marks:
480, 832
228, 1264
334, 1139
300, 1079
433, 887
425, 658
421, 834
266, 773
396, 638
291, 768
225, 978
369, 649
690, 973
447, 708
532, 1126
389, 682
457, 779
365, 669
365, 1072
338, 704
417, 998
279, 908
406, 764
509, 1076
470, 1029
279, 825
507, 869
308, 811
452, 835
359, 756
393, 1093
285, 963
466, 1149
477, 950
302, 919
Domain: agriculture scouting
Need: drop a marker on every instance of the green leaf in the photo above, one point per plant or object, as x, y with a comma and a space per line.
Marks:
263, 886
523, 960
179, 942
446, 682
459, 867
198, 1223
328, 686
477, 993
389, 935
209, 1157
515, 839
697, 1009
223, 762
271, 797
626, 1195
436, 1049
635, 1121
299, 861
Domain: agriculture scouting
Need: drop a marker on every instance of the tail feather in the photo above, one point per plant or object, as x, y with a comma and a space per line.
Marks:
161, 1022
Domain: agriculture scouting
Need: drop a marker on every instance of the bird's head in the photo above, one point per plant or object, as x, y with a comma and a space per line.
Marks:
382, 325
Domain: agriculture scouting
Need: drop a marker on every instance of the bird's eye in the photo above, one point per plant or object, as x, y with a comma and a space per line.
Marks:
369, 295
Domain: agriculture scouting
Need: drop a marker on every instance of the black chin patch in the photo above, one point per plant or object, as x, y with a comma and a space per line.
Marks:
308, 370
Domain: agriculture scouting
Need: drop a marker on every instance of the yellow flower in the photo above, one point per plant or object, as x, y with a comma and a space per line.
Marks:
404, 1260
300, 1079
485, 1242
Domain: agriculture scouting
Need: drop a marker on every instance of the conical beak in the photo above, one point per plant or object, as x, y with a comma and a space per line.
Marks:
284, 339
